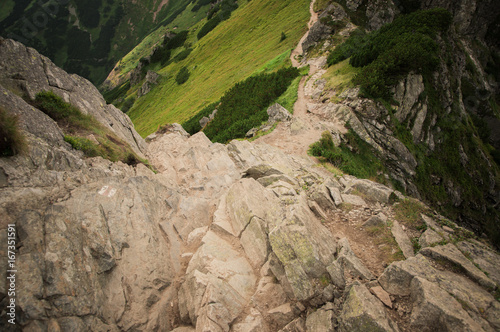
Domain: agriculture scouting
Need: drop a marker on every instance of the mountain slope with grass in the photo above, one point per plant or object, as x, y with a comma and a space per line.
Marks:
234, 50
89, 37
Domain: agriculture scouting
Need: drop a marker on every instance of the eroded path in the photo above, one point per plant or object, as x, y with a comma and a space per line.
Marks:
295, 136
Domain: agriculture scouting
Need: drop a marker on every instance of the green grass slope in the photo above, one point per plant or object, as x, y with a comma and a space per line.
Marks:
231, 52
87, 37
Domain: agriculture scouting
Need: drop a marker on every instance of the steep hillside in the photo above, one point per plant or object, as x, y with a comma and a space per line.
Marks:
231, 52
86, 37
242, 237
418, 94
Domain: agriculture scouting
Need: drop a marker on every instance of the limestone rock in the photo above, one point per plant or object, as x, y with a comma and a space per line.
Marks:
276, 113
370, 190
252, 323
297, 325
38, 74
382, 295
321, 321
434, 307
364, 312
321, 195
487, 259
451, 253
351, 263
402, 239
203, 121
282, 315
429, 238
151, 79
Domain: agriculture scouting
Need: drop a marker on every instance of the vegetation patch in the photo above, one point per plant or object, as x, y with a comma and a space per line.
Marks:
244, 106
182, 76
78, 129
354, 156
383, 238
409, 212
12, 141
390, 53
230, 53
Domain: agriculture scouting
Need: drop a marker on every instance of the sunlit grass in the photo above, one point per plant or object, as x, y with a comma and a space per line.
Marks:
233, 51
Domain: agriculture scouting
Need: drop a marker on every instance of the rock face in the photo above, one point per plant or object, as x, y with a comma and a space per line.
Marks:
23, 71
150, 80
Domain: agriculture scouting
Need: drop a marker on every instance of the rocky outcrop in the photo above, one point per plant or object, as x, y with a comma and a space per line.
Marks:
150, 80
23, 71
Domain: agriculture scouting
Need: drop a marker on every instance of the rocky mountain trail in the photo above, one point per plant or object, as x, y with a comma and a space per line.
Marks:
247, 236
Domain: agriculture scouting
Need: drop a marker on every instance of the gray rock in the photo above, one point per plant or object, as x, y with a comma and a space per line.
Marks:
151, 79
364, 312
297, 325
38, 74
336, 272
487, 260
351, 263
371, 191
397, 278
336, 196
382, 295
353, 200
317, 32
429, 238
434, 307
252, 323
374, 221
320, 321
259, 171
203, 121
276, 113
451, 254
402, 239
282, 315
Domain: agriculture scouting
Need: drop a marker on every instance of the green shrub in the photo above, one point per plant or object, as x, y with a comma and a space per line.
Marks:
192, 126
176, 41
182, 76
405, 45
53, 105
244, 105
209, 26
355, 157
283, 36
182, 55
89, 148
12, 140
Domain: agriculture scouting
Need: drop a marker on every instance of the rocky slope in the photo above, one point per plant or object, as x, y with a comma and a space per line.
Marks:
439, 139
236, 237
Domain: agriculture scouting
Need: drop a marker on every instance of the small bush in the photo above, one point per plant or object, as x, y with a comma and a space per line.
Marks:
182, 76
283, 36
176, 41
209, 26
54, 106
12, 140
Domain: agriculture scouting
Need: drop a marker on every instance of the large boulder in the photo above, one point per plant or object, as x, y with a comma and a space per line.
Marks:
364, 312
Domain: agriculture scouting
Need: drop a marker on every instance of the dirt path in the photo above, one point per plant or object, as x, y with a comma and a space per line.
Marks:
298, 50
305, 128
